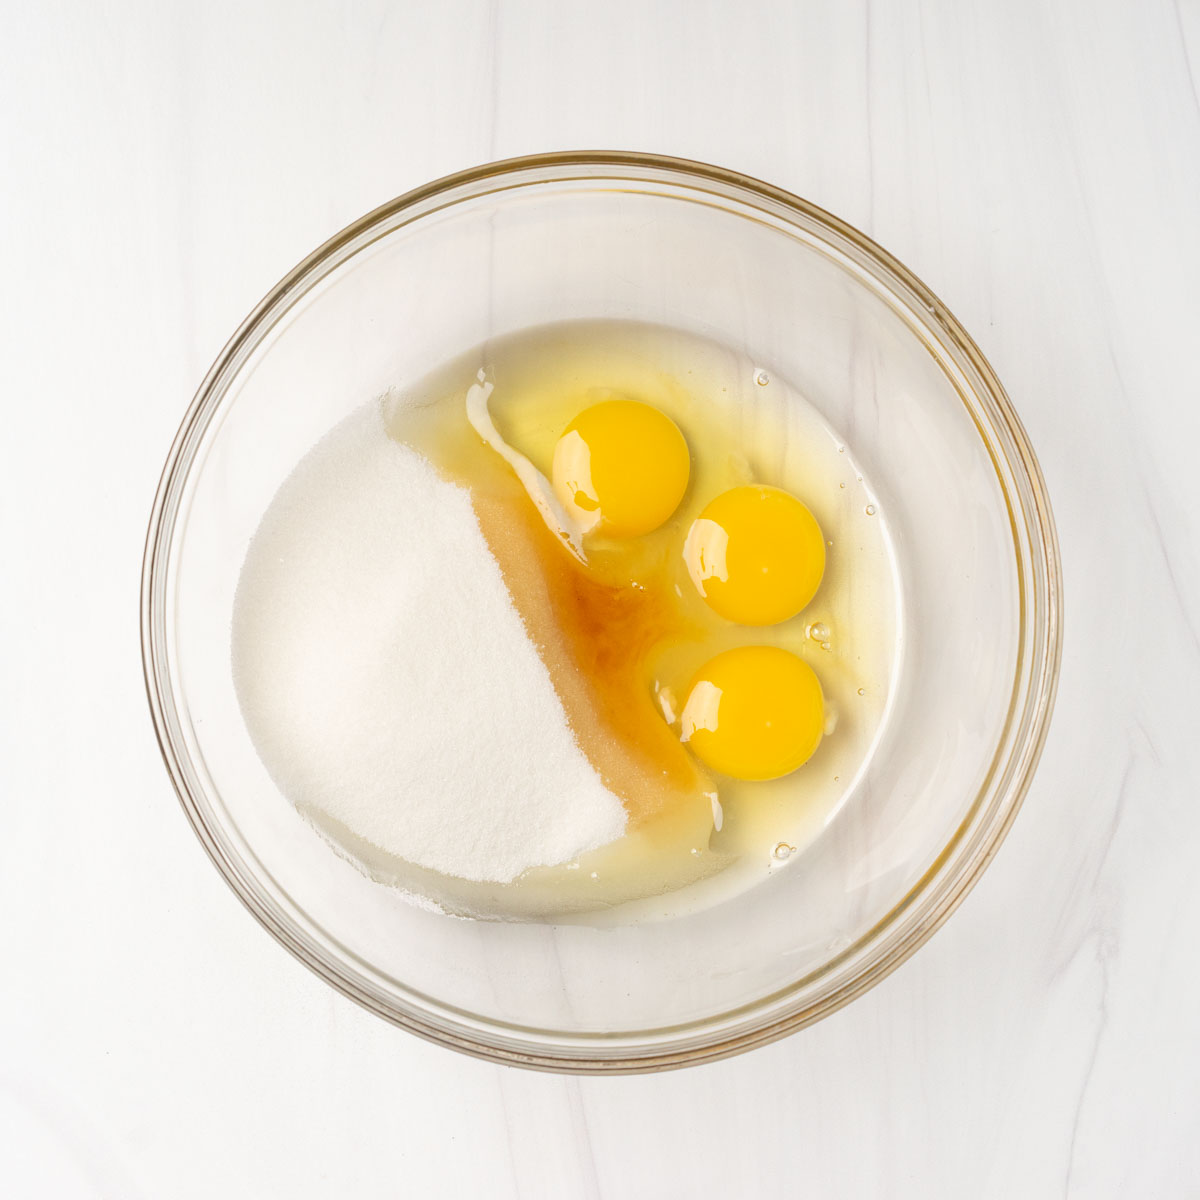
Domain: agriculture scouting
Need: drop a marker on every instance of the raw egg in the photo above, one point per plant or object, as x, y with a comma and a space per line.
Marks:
756, 555
755, 712
621, 467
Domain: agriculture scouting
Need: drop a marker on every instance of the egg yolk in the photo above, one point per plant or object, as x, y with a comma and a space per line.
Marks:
621, 467
756, 554
755, 713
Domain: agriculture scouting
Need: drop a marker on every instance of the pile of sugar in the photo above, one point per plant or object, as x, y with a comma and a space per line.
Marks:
387, 680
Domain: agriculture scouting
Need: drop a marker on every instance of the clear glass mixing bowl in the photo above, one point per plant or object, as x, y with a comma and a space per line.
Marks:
637, 237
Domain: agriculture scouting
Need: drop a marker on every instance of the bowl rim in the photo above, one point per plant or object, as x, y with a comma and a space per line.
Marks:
1033, 703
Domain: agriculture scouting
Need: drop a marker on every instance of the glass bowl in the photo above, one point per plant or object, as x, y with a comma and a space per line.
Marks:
711, 252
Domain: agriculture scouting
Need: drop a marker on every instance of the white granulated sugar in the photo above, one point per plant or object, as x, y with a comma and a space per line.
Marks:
387, 680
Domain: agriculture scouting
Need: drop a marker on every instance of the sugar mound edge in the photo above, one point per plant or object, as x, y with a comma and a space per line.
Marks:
387, 680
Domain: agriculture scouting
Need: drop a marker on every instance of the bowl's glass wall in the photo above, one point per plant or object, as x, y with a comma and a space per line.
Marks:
463, 265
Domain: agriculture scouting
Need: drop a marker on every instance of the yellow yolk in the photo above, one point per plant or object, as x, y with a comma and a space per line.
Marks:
755, 713
756, 554
621, 468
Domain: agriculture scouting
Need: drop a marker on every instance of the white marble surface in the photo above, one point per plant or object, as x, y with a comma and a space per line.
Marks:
161, 165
